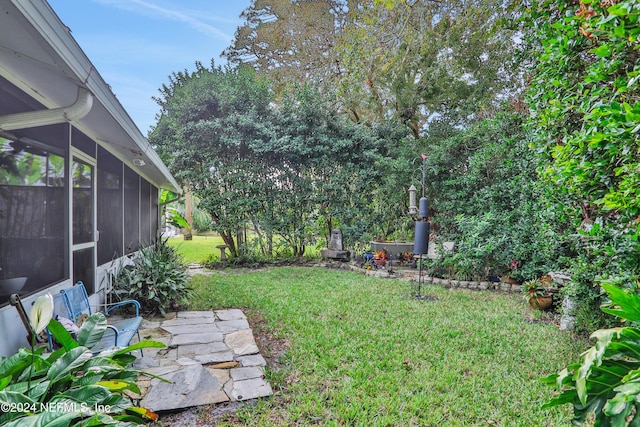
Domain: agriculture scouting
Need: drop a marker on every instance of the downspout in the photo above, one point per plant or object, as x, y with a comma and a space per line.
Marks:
75, 111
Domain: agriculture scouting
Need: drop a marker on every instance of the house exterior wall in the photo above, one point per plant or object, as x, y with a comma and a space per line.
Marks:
43, 192
79, 182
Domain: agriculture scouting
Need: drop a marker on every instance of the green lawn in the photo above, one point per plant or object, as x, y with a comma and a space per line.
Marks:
361, 352
198, 249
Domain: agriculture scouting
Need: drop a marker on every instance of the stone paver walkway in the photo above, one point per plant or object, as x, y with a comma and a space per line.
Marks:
211, 357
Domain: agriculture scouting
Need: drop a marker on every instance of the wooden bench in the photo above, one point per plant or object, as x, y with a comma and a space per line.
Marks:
73, 304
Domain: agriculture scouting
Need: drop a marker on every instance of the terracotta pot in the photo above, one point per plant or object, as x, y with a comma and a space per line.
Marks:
541, 303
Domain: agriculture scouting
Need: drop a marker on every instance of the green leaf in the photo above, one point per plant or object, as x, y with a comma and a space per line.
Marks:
44, 419
119, 386
61, 335
602, 51
92, 330
68, 363
16, 364
14, 397
140, 345
627, 302
89, 395
567, 396
4, 382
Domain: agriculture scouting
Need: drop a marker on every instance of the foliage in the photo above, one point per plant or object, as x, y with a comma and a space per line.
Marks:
585, 120
406, 61
157, 279
71, 385
209, 118
279, 166
533, 288
485, 196
605, 381
363, 351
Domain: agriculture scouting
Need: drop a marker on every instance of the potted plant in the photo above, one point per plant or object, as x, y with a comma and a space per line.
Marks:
381, 257
537, 295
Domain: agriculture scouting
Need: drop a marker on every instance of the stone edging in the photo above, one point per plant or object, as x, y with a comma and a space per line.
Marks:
412, 276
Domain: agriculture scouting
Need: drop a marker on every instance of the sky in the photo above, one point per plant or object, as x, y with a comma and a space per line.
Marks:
137, 44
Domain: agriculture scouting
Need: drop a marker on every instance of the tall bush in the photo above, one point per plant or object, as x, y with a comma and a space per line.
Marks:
485, 195
585, 120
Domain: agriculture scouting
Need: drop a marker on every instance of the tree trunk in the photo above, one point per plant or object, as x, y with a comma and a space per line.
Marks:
227, 237
240, 239
188, 212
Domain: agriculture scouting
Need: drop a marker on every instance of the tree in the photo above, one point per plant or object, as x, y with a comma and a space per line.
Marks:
248, 159
208, 120
410, 61
289, 41
326, 168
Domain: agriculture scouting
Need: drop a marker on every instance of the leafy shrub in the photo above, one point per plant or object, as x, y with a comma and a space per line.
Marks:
72, 387
157, 280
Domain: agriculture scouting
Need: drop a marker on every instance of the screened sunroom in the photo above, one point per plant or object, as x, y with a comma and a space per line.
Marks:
79, 183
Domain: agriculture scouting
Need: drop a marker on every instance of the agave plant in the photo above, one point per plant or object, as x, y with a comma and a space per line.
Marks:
72, 386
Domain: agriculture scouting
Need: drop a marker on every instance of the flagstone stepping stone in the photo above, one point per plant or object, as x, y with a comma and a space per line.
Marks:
205, 338
190, 386
207, 359
232, 325
252, 360
247, 389
185, 361
231, 314
241, 342
146, 362
191, 329
194, 314
240, 374
201, 349
161, 371
222, 375
181, 321
211, 357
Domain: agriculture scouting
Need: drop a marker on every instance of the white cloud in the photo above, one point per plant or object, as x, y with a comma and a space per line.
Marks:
174, 13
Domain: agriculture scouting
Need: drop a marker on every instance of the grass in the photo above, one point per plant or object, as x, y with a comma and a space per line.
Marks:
361, 352
198, 249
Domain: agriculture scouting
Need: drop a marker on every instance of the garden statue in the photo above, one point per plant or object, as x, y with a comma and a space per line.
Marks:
335, 250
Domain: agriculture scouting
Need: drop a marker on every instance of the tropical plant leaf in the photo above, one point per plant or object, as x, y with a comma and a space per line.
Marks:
92, 330
144, 412
119, 386
68, 363
16, 364
89, 395
140, 345
124, 359
627, 302
14, 397
99, 420
44, 419
117, 403
4, 382
61, 335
